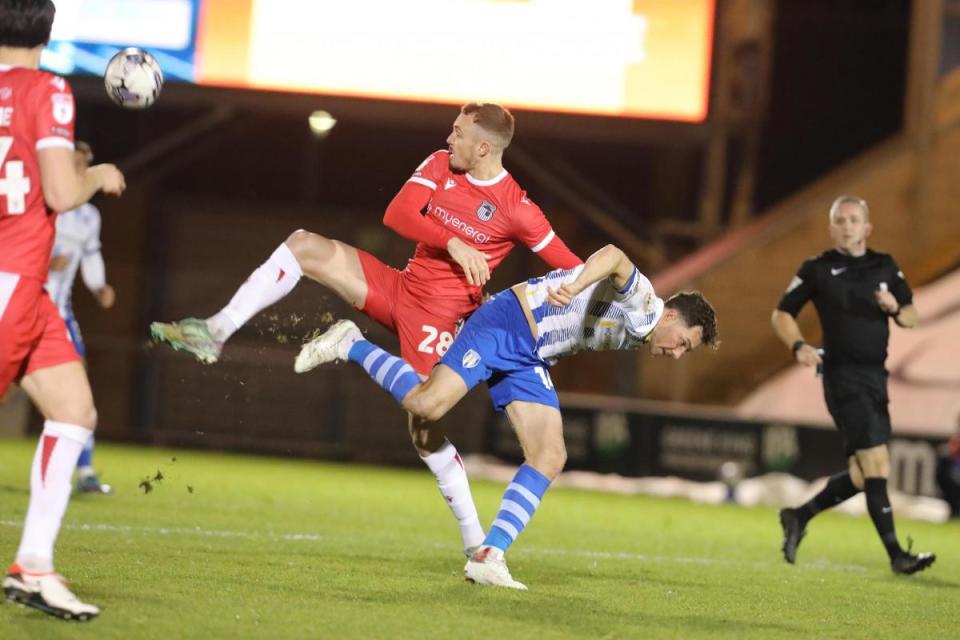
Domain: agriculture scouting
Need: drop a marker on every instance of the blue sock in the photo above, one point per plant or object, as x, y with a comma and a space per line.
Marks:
394, 374
520, 501
86, 455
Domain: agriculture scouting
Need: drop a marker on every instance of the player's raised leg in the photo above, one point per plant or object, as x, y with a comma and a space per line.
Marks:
332, 263
429, 399
62, 394
540, 430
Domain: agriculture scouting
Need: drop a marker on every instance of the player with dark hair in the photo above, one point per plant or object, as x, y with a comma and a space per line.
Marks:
39, 178
856, 292
510, 343
466, 213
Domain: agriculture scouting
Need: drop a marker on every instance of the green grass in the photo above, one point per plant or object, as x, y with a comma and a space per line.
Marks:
275, 548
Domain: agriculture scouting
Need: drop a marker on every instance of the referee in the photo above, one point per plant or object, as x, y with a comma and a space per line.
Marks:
856, 292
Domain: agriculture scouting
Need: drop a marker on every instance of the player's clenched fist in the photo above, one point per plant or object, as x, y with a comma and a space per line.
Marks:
105, 296
888, 303
473, 262
110, 178
808, 356
561, 296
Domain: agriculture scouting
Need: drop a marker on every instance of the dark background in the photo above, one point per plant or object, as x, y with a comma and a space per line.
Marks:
218, 178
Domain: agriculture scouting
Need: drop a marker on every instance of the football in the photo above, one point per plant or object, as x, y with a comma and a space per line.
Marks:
133, 79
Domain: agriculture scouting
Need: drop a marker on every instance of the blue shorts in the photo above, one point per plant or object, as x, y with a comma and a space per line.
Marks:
73, 330
496, 345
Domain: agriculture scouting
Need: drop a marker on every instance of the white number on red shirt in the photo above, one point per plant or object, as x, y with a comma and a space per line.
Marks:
442, 344
13, 184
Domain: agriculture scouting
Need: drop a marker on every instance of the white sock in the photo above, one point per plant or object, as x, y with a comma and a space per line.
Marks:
57, 452
270, 282
452, 479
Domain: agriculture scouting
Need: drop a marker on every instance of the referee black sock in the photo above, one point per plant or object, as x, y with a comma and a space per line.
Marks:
878, 504
839, 488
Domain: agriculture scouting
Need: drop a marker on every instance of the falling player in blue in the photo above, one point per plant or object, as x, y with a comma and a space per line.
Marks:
510, 342
77, 247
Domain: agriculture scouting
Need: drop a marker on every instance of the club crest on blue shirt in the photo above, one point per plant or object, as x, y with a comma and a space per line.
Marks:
470, 359
485, 210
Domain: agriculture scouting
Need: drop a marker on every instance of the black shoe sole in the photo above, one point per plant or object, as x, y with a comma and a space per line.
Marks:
34, 601
916, 568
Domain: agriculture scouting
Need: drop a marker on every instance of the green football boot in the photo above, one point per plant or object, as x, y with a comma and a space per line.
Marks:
191, 335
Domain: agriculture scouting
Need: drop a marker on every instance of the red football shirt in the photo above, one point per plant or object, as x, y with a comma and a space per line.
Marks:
490, 215
36, 112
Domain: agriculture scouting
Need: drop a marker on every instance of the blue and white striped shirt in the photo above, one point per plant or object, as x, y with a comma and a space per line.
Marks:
599, 318
78, 240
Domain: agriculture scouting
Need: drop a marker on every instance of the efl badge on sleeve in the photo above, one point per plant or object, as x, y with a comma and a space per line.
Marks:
62, 107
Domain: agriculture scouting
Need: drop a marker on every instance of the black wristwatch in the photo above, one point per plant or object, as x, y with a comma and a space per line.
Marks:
796, 346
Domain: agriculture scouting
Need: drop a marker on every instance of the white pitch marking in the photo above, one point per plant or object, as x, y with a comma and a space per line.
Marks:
525, 550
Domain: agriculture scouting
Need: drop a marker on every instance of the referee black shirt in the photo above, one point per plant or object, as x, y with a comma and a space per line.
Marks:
855, 329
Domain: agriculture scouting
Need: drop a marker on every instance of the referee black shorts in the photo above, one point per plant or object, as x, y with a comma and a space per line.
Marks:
857, 400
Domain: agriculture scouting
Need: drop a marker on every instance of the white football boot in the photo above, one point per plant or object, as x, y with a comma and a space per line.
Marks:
331, 346
47, 592
487, 566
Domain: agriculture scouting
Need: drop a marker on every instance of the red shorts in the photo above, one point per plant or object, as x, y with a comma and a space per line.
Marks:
32, 333
426, 328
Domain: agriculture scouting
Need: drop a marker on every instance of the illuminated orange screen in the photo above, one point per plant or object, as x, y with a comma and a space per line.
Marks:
638, 58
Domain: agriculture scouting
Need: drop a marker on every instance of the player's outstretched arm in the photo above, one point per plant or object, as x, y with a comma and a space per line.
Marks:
65, 189
608, 262
558, 255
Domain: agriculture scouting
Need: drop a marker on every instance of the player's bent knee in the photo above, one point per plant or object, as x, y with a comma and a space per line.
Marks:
876, 470
416, 404
559, 461
550, 462
874, 463
425, 406
308, 246
856, 476
316, 255
82, 416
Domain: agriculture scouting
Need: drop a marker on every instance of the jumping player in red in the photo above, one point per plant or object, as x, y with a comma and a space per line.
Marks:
37, 179
466, 212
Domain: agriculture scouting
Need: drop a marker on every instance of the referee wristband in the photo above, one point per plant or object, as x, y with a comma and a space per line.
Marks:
796, 346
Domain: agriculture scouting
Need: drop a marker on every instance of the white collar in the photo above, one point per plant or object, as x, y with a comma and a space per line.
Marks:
486, 183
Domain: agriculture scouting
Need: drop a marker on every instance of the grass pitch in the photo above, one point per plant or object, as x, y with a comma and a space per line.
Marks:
231, 546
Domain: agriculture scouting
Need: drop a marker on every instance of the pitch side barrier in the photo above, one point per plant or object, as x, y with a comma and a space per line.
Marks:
640, 438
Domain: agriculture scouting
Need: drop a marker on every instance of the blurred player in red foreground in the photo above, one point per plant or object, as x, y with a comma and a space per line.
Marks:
38, 178
466, 212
